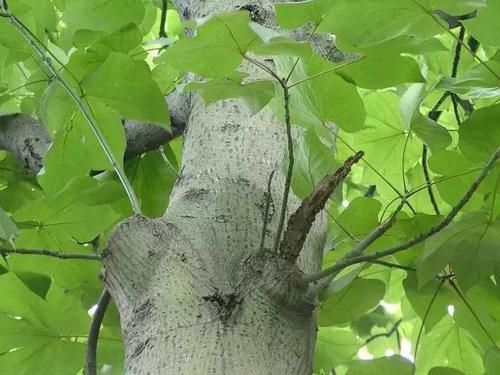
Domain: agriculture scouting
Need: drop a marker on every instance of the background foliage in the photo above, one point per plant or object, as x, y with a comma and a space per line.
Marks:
431, 309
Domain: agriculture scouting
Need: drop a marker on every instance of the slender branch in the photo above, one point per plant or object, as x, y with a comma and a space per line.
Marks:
393, 265
263, 67
266, 212
91, 353
82, 105
301, 220
428, 180
346, 262
288, 181
462, 297
420, 331
434, 116
163, 20
332, 271
458, 51
389, 333
49, 253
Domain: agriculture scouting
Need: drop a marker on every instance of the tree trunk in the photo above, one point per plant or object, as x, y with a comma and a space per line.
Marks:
195, 292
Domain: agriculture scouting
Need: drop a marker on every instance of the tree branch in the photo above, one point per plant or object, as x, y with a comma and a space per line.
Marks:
301, 220
91, 353
389, 333
351, 260
49, 253
266, 212
288, 181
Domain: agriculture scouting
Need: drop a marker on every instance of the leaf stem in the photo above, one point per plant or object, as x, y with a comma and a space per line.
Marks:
333, 68
163, 20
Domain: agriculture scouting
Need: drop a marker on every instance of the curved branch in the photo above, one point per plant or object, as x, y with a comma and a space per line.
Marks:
91, 353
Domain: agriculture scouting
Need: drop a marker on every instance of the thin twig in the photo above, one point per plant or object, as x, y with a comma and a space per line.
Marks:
420, 331
266, 212
428, 179
288, 181
346, 262
434, 116
49, 253
82, 105
389, 333
93, 338
393, 265
301, 220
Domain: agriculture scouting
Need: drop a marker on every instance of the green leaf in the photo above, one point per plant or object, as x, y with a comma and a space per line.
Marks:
218, 48
430, 132
321, 97
30, 336
352, 302
376, 69
123, 40
449, 345
61, 222
383, 140
102, 15
457, 175
491, 361
126, 85
76, 149
38, 283
292, 15
313, 161
256, 94
152, 181
381, 366
468, 245
8, 229
420, 300
480, 134
484, 26
18, 185
476, 83
335, 346
358, 219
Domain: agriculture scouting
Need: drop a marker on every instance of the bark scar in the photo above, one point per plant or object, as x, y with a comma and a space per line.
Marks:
224, 303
